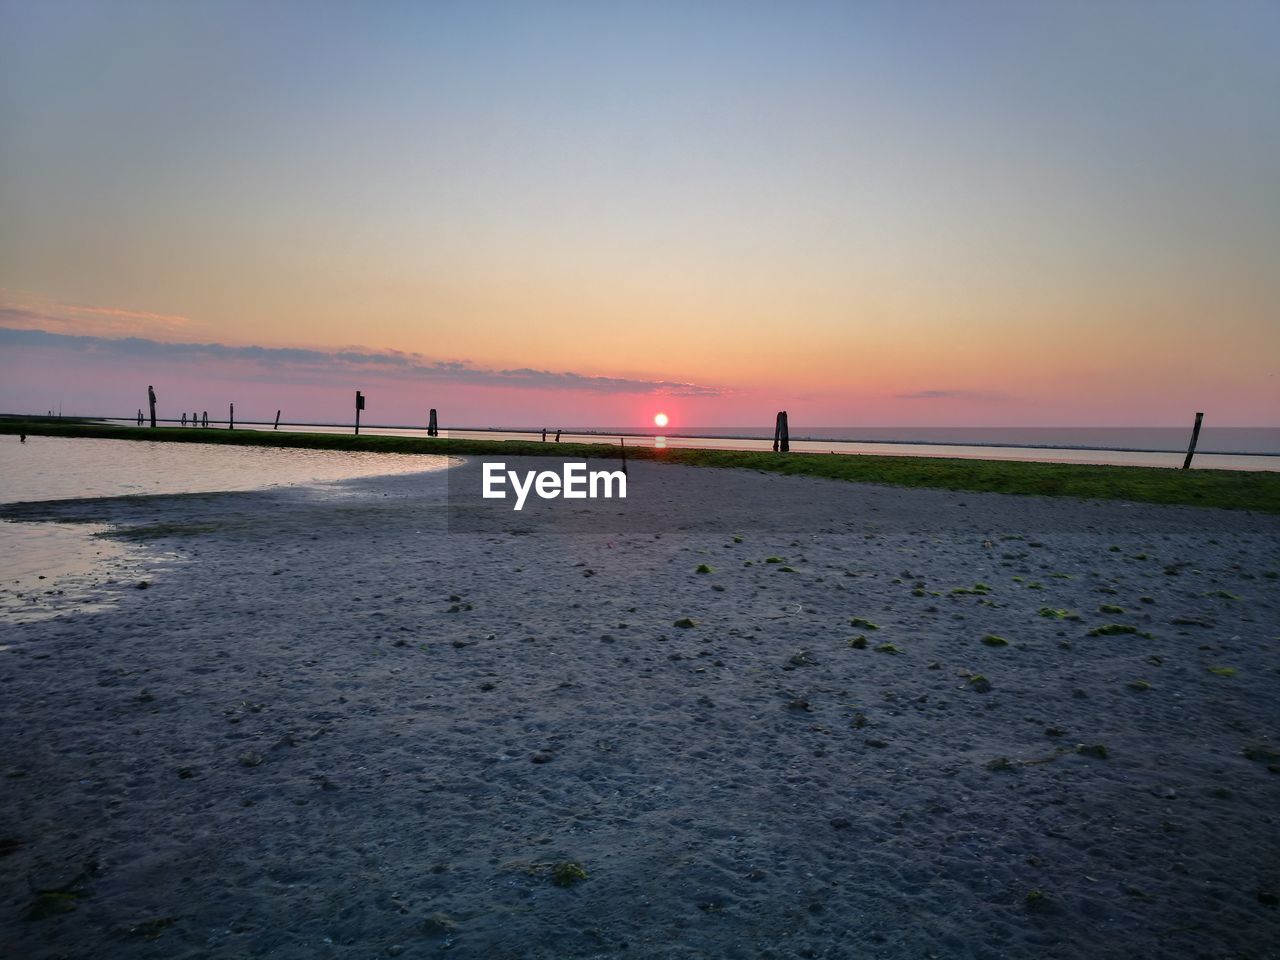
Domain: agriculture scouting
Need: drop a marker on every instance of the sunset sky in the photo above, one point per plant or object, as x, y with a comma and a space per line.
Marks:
529, 214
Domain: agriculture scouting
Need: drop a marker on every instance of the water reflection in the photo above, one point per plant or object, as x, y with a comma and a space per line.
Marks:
52, 569
982, 451
61, 468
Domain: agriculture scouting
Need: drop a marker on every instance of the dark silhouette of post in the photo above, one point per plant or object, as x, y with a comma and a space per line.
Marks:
231, 418
277, 426
781, 435
359, 407
1195, 435
557, 436
151, 402
544, 433
139, 416
433, 428
204, 419
622, 442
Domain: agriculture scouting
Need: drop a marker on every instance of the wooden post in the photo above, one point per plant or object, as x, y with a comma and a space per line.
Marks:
277, 426
231, 418
622, 441
139, 416
151, 400
781, 436
359, 407
1195, 435
433, 429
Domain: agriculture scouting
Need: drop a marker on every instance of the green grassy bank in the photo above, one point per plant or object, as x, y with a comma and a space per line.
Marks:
1230, 489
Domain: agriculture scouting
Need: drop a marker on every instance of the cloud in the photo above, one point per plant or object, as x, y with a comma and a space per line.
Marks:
44, 314
299, 364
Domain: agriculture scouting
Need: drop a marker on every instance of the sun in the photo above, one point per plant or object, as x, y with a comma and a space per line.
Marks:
659, 419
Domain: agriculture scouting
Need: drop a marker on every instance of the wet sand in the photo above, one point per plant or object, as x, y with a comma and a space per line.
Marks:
370, 725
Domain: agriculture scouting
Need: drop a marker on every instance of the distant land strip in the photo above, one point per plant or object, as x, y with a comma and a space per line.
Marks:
1223, 489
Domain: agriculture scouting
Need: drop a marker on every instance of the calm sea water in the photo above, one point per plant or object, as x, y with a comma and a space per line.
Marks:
49, 569
1213, 439
60, 468
1219, 448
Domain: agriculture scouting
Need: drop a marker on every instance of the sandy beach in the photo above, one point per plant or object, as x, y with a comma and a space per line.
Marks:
747, 716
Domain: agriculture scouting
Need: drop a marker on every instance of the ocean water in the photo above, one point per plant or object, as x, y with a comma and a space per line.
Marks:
62, 468
1220, 448
1225, 440
49, 569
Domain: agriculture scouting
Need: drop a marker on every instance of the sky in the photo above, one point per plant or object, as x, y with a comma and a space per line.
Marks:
541, 213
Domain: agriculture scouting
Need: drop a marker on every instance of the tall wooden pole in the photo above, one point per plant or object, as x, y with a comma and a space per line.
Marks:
1195, 435
781, 435
151, 401
277, 426
359, 407
231, 418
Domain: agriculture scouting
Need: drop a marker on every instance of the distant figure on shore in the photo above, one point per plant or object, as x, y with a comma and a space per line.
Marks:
139, 416
544, 434
204, 419
557, 436
184, 418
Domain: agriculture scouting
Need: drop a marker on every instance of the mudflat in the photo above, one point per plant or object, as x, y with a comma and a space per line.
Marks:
755, 716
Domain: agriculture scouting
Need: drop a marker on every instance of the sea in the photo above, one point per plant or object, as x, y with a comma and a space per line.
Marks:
1219, 448
50, 569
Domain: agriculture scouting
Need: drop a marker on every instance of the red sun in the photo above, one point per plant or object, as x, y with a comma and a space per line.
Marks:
660, 420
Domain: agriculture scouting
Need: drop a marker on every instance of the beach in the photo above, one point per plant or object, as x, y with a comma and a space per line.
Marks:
744, 715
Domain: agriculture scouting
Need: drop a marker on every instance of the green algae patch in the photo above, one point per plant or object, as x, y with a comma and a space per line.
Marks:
1112, 630
1058, 613
567, 873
